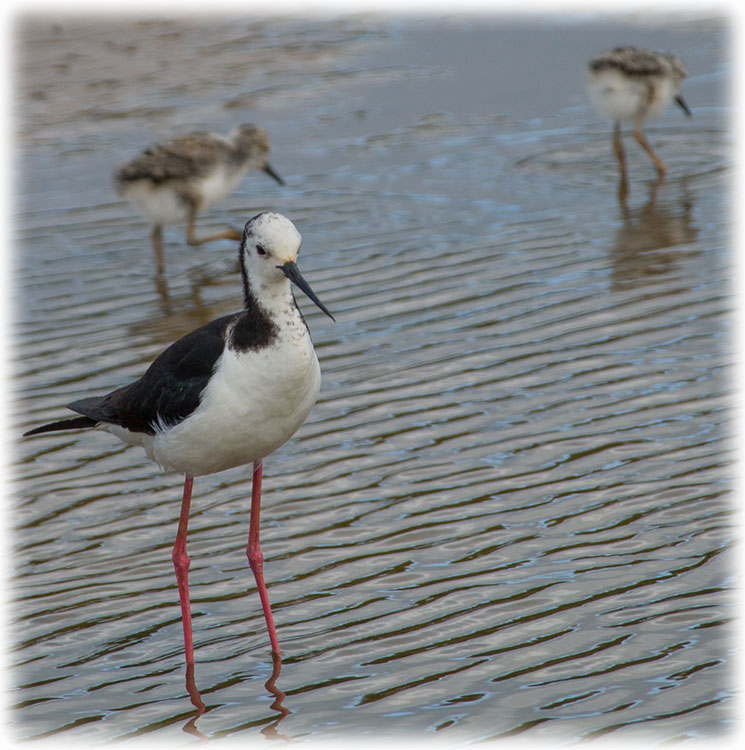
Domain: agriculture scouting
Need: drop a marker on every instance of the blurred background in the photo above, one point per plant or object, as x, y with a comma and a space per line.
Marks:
509, 514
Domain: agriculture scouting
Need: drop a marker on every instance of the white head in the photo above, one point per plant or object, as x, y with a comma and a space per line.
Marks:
268, 256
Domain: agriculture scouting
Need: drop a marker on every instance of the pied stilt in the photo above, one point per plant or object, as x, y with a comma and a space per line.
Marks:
628, 84
176, 181
224, 395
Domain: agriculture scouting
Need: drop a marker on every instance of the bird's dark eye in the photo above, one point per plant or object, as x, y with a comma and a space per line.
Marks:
261, 250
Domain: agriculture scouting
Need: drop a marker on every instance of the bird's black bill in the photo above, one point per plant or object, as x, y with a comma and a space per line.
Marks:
681, 102
268, 169
292, 272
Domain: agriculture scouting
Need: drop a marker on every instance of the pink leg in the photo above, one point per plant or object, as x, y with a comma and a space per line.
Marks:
226, 234
181, 564
644, 143
156, 237
256, 556
623, 184
618, 146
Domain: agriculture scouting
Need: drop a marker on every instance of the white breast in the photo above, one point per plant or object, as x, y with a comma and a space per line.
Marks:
254, 402
664, 91
160, 205
617, 96
219, 183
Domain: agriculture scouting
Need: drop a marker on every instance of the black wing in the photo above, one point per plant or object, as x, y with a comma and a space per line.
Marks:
171, 388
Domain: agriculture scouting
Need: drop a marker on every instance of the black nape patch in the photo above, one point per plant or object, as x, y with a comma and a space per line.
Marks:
253, 330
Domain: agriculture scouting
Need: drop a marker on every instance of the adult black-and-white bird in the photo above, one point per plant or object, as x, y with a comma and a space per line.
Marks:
628, 84
224, 395
174, 182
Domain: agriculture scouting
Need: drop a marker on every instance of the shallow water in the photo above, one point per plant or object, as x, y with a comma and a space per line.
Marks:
509, 514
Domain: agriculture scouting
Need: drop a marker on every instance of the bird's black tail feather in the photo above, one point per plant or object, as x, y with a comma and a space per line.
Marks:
76, 423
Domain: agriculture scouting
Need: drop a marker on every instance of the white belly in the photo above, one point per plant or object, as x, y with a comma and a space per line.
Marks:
160, 204
254, 402
618, 97
218, 184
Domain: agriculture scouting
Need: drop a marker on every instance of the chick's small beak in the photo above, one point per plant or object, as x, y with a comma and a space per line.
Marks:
292, 272
681, 102
268, 169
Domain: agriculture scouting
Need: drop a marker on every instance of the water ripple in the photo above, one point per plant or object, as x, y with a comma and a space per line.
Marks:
509, 513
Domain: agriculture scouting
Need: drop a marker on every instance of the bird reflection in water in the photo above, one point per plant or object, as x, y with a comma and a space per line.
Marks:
219, 273
179, 313
269, 731
637, 253
196, 700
